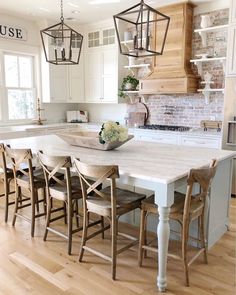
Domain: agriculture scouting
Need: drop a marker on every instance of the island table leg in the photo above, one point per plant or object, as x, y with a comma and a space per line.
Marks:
163, 232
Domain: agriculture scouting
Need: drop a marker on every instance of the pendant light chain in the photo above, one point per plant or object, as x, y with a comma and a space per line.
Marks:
62, 18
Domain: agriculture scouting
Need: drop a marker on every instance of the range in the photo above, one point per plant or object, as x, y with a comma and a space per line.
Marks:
165, 127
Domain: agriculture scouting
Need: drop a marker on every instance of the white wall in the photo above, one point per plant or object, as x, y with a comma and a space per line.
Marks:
104, 112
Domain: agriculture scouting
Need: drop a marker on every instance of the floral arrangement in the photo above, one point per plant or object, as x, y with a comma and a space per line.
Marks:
112, 131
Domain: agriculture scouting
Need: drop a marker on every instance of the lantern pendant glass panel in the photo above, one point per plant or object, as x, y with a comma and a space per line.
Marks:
141, 31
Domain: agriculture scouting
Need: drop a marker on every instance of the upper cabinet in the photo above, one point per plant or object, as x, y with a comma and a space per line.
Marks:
231, 53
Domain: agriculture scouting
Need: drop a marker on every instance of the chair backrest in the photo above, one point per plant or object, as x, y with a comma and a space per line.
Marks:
51, 165
100, 173
20, 157
204, 178
3, 161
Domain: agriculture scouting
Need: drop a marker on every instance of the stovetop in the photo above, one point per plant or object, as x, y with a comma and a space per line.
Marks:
165, 127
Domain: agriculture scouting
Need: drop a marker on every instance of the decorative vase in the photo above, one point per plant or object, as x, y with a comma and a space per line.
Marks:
205, 21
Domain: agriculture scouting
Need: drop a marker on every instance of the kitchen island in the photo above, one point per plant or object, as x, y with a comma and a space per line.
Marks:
161, 168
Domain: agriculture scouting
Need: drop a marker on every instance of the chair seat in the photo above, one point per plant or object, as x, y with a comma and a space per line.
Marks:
176, 210
59, 192
39, 182
126, 201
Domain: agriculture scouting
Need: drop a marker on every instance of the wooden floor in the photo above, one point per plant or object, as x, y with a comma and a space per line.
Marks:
31, 266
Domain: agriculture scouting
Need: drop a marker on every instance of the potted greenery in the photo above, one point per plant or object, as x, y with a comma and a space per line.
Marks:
129, 83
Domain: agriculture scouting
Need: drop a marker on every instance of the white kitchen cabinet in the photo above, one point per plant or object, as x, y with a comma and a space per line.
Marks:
63, 83
233, 12
231, 53
157, 137
200, 141
101, 76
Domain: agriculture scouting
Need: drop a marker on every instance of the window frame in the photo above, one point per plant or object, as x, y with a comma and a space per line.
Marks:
4, 111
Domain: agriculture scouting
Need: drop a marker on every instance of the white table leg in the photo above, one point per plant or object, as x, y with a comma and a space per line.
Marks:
163, 232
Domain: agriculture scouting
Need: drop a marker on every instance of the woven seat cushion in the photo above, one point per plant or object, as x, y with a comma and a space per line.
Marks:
125, 200
60, 192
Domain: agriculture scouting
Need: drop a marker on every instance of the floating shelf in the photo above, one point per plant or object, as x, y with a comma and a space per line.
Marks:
208, 59
203, 32
198, 62
209, 29
131, 92
137, 66
211, 90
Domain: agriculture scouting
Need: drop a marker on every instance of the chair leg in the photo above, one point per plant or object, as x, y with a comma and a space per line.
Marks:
113, 245
70, 225
145, 234
77, 213
6, 193
37, 201
102, 226
141, 237
34, 202
17, 196
203, 237
48, 217
65, 212
184, 252
84, 235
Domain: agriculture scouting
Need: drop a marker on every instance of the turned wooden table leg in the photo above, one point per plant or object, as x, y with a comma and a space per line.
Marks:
163, 232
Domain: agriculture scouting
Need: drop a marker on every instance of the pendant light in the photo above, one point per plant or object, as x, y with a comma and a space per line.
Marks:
141, 30
61, 44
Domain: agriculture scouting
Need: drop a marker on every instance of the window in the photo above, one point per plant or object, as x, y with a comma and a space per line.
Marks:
20, 88
94, 39
108, 36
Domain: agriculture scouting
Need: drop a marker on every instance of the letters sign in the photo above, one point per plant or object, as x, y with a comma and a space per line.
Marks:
12, 32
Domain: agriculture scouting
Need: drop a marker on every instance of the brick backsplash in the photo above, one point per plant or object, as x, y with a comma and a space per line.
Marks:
190, 109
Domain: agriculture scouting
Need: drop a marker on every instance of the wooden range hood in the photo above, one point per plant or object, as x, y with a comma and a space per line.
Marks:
172, 71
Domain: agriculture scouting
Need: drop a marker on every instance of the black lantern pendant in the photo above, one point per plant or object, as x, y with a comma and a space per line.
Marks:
141, 30
61, 44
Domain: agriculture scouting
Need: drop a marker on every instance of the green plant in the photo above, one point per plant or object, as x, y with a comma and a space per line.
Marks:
128, 79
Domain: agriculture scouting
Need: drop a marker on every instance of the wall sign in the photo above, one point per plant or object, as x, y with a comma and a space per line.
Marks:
12, 32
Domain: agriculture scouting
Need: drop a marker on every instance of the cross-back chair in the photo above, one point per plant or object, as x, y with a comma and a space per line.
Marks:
7, 179
31, 181
67, 190
110, 202
186, 208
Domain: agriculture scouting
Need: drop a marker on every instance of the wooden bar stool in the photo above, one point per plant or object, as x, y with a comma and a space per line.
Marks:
7, 179
186, 208
30, 180
67, 191
110, 202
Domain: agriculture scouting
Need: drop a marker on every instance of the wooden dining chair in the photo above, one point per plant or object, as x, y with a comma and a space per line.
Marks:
7, 179
186, 208
66, 190
31, 180
110, 202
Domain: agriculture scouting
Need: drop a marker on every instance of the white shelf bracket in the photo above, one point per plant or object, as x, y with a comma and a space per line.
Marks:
203, 36
207, 96
198, 64
223, 64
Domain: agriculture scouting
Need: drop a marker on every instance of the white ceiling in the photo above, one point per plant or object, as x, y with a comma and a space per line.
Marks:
86, 13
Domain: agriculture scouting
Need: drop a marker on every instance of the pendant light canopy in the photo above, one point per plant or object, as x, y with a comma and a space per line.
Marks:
62, 45
141, 30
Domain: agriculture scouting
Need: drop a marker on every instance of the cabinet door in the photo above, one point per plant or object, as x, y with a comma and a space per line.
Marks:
233, 11
76, 83
231, 59
59, 83
109, 76
93, 77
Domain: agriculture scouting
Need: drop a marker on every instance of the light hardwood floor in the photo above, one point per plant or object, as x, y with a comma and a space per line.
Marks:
31, 266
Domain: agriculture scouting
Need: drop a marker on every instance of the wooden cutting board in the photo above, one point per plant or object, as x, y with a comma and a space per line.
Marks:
137, 114
210, 124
